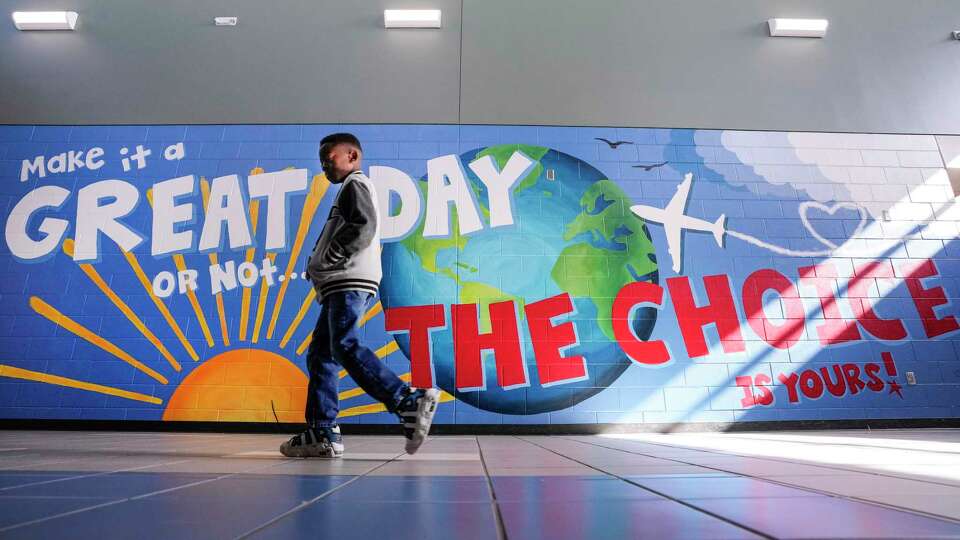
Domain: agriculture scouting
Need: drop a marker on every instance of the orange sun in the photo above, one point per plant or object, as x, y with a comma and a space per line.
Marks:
240, 386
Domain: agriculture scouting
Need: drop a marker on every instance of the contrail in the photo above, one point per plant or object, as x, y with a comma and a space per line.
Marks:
802, 210
780, 250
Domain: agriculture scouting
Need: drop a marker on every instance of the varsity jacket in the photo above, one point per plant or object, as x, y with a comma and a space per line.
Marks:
346, 257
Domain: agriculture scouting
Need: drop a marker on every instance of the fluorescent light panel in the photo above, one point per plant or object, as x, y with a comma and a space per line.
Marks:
411, 18
798, 27
45, 20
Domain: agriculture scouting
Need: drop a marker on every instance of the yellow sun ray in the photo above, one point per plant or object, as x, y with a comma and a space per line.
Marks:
380, 407
305, 343
59, 319
262, 304
381, 353
317, 190
147, 286
301, 313
205, 192
98, 280
247, 291
27, 375
354, 392
371, 313
181, 265
192, 296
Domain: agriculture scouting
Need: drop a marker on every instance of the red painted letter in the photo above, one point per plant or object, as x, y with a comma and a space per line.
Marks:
835, 329
642, 352
858, 291
928, 299
720, 310
504, 339
549, 341
417, 321
781, 336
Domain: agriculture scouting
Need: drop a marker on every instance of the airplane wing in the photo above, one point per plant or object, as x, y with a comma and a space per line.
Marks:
678, 203
674, 247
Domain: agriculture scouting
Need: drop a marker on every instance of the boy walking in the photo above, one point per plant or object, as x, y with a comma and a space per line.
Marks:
345, 271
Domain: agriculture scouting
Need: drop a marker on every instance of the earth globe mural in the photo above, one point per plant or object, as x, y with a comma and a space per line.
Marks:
571, 223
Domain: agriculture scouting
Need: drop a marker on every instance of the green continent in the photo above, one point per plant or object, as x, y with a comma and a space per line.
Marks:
483, 294
598, 272
427, 249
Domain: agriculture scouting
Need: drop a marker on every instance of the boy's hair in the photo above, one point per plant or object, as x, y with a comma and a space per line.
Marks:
340, 138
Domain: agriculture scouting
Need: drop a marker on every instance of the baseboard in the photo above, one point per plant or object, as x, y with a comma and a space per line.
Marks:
477, 429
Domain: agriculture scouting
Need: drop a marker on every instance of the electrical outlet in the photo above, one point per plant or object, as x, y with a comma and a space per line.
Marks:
911, 378
551, 175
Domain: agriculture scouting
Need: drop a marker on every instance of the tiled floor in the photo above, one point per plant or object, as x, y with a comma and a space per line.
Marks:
838, 484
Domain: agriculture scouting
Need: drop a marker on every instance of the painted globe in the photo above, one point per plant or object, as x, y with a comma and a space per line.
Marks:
573, 233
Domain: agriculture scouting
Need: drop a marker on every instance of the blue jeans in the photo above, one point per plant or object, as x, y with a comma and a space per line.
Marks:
336, 343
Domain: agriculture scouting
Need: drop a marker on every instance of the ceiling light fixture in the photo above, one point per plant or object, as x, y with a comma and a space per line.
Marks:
816, 28
411, 18
45, 20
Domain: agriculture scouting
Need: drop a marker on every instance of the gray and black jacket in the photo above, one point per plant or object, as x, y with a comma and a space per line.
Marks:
346, 257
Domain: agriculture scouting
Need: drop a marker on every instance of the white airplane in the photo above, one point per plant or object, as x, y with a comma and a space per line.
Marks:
675, 221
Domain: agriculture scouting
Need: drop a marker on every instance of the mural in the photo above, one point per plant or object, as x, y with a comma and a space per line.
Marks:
539, 275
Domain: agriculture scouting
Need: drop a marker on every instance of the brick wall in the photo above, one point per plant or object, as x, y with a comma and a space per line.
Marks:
861, 228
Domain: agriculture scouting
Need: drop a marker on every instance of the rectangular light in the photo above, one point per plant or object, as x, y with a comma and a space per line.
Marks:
45, 20
411, 18
798, 27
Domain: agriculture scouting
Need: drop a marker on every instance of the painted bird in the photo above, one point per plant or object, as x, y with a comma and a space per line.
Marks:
650, 167
612, 144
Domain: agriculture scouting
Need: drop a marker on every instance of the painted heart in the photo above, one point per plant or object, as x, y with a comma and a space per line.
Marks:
805, 207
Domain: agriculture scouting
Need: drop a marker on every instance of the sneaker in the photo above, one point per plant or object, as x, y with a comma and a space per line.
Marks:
416, 413
315, 442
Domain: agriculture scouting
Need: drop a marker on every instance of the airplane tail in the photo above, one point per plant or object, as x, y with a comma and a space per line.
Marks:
719, 227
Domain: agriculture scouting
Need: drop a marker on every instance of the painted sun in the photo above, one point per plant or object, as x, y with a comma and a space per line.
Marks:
240, 381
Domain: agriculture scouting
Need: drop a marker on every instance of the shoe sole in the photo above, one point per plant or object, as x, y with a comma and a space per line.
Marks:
307, 452
425, 411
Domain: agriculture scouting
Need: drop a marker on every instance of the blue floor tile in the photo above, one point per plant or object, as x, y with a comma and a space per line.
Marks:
8, 480
116, 486
719, 487
220, 509
389, 520
612, 518
415, 489
566, 488
14, 510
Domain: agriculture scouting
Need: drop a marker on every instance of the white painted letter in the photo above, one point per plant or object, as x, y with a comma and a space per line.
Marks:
93, 158
225, 205
276, 186
37, 166
166, 214
94, 218
163, 284
19, 242
441, 193
223, 276
388, 180
500, 183
174, 152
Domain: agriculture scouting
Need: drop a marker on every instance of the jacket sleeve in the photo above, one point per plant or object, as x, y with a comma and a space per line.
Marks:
359, 223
